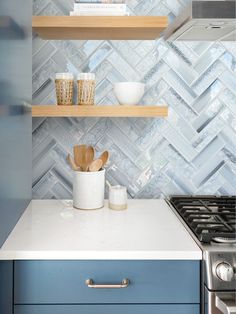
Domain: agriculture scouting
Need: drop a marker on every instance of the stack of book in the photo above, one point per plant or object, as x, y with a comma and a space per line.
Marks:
99, 8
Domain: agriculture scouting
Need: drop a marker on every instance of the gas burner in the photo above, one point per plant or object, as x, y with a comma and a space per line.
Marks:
224, 240
210, 218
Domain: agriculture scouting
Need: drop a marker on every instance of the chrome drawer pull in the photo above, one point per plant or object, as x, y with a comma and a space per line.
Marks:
123, 284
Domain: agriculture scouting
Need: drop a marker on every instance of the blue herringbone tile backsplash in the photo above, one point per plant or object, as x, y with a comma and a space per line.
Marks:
193, 151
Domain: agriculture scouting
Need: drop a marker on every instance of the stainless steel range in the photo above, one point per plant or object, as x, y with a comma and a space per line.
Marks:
212, 223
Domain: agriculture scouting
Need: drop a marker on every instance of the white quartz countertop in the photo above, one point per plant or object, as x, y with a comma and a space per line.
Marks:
147, 230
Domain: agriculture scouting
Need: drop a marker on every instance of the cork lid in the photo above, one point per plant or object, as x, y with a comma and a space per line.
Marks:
64, 76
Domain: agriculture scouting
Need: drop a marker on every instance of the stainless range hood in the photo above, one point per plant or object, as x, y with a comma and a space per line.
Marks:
205, 21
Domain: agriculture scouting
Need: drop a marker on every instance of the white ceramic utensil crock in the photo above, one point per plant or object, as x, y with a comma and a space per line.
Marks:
88, 189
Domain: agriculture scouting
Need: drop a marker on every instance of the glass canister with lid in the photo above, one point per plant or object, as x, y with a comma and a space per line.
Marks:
86, 89
64, 89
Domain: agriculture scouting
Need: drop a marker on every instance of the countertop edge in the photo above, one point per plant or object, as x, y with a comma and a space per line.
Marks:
92, 255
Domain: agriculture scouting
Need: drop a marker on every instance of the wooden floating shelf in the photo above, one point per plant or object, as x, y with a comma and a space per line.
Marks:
100, 27
99, 111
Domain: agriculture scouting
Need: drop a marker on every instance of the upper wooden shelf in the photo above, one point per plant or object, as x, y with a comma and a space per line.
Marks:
100, 27
99, 111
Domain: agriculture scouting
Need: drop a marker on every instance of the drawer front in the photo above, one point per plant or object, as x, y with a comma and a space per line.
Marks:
107, 309
63, 282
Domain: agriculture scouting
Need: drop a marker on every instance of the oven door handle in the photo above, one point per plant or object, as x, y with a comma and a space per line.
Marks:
226, 306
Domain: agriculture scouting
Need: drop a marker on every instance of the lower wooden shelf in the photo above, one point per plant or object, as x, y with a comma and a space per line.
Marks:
99, 111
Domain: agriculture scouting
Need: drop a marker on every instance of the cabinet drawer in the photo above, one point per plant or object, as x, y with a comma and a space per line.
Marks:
107, 309
63, 282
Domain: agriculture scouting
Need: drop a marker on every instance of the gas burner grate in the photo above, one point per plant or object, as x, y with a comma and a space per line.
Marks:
209, 217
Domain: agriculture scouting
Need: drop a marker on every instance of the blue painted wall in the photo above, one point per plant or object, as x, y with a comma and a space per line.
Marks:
15, 113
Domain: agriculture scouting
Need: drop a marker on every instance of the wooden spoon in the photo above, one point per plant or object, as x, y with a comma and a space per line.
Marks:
79, 155
96, 165
104, 157
89, 156
72, 163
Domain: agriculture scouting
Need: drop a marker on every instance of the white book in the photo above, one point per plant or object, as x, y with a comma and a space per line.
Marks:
99, 6
104, 10
100, 1
100, 13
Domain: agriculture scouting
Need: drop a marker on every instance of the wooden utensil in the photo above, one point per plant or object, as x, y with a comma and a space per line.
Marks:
72, 163
96, 165
104, 157
89, 156
79, 155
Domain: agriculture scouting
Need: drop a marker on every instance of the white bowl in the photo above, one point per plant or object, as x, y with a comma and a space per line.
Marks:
129, 93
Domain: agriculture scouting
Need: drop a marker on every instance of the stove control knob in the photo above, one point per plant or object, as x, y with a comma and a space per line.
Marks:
225, 272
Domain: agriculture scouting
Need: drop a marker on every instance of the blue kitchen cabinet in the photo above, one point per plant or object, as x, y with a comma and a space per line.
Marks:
107, 309
6, 287
63, 282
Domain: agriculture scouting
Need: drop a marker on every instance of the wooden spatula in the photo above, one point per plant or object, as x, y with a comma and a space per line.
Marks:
72, 163
96, 165
79, 155
89, 156
104, 157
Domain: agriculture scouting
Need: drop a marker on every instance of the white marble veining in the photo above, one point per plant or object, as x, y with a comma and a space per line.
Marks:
52, 229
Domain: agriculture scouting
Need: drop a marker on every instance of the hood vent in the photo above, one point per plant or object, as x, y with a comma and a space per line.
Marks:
205, 21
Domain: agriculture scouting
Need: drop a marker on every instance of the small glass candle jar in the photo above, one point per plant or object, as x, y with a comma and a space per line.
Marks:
64, 89
86, 89
118, 197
